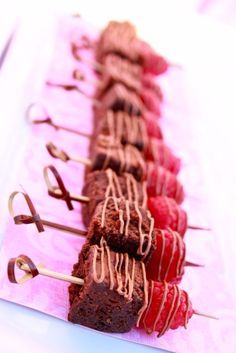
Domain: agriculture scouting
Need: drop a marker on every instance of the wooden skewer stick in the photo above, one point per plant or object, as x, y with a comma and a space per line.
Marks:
192, 264
69, 87
46, 119
209, 316
25, 264
198, 228
56, 152
35, 217
100, 67
60, 191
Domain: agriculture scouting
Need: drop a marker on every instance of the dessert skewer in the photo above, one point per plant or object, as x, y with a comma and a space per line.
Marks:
162, 250
43, 117
101, 184
117, 97
128, 159
151, 98
121, 39
120, 289
174, 308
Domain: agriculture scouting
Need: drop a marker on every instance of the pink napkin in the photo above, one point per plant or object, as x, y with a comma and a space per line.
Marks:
59, 251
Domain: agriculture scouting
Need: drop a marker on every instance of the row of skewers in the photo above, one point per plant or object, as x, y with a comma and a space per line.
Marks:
134, 254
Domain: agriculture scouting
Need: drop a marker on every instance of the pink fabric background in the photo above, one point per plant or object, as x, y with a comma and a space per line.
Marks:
58, 251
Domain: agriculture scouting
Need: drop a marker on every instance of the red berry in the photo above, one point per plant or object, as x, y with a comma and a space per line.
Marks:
160, 153
151, 101
168, 214
168, 308
153, 129
149, 82
167, 260
152, 62
160, 182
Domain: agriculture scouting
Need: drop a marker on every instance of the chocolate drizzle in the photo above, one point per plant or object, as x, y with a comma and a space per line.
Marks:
123, 128
128, 157
175, 212
145, 239
161, 153
178, 247
114, 188
172, 311
121, 271
119, 69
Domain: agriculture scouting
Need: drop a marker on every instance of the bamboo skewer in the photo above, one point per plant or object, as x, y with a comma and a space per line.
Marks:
40, 223
56, 152
69, 87
100, 68
35, 217
25, 264
198, 228
209, 316
60, 191
46, 119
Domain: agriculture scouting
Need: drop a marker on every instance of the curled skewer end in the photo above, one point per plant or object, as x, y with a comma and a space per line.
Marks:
25, 219
56, 152
25, 264
42, 117
59, 191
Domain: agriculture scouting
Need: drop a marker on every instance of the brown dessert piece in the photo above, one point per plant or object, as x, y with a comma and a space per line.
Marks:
114, 293
123, 128
119, 158
104, 183
125, 226
120, 70
118, 38
119, 97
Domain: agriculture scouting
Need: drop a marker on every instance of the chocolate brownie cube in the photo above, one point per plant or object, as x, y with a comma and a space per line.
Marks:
123, 129
127, 227
119, 70
119, 97
118, 38
103, 183
114, 290
119, 158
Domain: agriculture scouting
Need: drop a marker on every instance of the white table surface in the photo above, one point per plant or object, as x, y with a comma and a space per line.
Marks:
213, 104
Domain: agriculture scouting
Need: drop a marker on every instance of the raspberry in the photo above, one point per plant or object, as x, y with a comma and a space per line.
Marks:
153, 129
151, 101
168, 214
152, 62
168, 308
160, 153
160, 182
149, 82
167, 260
